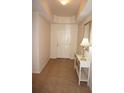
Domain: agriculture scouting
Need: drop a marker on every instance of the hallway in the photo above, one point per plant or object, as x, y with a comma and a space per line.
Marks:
58, 76
57, 33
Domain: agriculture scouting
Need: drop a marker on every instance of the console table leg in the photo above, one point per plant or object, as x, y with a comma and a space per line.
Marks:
79, 75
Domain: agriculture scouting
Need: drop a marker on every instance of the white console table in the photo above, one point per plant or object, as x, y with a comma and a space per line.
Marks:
81, 64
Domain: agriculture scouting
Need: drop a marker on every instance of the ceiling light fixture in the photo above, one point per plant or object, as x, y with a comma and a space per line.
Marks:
64, 2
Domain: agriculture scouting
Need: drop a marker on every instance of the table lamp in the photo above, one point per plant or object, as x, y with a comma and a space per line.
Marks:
85, 45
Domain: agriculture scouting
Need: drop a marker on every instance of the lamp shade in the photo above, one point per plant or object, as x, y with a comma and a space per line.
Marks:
85, 42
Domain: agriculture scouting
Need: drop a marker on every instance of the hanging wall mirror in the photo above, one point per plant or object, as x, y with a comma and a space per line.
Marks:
87, 31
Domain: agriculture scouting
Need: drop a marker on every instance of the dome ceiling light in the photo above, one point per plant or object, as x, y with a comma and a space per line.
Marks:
64, 2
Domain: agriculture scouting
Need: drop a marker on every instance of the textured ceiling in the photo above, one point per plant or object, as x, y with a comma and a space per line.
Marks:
71, 9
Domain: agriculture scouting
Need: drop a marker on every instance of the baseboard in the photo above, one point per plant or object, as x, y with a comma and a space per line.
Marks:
35, 71
43, 65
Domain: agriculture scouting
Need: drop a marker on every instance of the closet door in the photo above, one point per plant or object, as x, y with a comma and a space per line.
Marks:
63, 40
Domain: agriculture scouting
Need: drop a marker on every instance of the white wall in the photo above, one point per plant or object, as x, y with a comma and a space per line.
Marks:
44, 42
41, 42
59, 19
53, 43
35, 43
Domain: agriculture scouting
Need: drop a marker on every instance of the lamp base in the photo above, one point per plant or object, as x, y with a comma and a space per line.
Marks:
83, 57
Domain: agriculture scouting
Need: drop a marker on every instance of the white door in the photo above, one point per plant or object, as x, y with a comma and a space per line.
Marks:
63, 40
